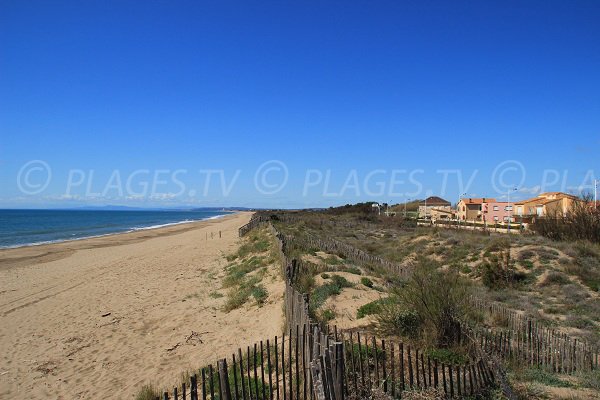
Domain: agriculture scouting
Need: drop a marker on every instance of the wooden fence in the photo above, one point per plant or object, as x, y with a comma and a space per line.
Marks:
339, 365
313, 362
332, 246
395, 367
531, 343
524, 340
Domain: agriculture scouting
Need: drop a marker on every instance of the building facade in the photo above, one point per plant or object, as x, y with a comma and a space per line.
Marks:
550, 203
431, 203
485, 209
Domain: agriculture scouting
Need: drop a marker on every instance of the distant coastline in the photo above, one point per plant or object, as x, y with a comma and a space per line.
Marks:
28, 228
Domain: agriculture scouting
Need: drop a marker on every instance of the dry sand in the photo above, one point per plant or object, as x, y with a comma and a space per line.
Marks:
98, 318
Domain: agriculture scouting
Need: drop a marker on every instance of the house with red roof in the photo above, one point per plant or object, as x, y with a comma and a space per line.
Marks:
484, 209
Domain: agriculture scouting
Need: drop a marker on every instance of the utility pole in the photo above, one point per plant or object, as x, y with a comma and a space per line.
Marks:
458, 207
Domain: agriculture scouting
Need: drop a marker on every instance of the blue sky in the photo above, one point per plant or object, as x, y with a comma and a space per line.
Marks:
109, 101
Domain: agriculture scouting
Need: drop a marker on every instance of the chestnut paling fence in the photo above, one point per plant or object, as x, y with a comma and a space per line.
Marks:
531, 343
524, 340
314, 362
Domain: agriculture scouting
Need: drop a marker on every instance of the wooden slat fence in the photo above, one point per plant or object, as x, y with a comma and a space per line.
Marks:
529, 342
524, 340
332, 246
312, 362
395, 367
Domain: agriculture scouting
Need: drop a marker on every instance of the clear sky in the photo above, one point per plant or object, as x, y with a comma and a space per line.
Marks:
140, 103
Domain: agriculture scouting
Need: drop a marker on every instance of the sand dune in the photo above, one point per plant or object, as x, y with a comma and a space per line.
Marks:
98, 318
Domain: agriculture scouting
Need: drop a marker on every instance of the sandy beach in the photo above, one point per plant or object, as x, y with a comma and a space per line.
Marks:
98, 318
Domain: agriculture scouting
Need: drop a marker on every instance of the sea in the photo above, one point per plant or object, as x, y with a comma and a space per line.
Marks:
34, 227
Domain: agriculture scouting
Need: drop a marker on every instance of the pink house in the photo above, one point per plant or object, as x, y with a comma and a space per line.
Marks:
497, 211
484, 210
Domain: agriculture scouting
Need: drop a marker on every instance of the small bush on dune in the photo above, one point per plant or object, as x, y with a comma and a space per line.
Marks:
367, 282
305, 283
147, 392
499, 272
555, 278
260, 294
371, 308
328, 315
590, 379
431, 305
341, 282
527, 264
448, 356
352, 270
544, 377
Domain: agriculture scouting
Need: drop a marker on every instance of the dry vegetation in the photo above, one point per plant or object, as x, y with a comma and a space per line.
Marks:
556, 282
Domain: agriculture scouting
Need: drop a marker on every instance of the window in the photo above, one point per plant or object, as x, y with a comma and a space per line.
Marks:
496, 208
508, 208
496, 218
505, 219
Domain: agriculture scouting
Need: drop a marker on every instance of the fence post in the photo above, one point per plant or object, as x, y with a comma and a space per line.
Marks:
339, 364
224, 380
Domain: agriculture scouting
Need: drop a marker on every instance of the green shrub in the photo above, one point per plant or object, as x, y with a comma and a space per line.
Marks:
431, 305
260, 294
448, 356
527, 264
465, 269
341, 282
333, 260
325, 275
367, 282
394, 319
590, 379
323, 292
328, 315
371, 308
544, 377
352, 270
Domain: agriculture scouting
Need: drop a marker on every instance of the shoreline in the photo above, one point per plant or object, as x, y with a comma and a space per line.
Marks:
31, 254
128, 230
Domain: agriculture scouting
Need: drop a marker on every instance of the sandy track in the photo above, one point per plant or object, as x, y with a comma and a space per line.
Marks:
98, 318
